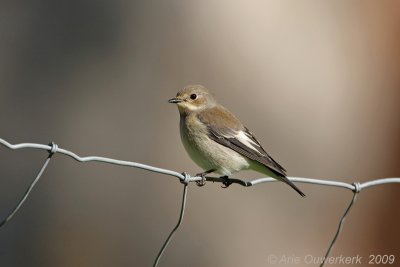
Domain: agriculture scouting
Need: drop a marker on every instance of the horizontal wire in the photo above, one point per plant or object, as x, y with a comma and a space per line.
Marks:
92, 158
188, 178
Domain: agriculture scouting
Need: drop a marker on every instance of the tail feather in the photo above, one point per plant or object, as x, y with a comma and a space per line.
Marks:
291, 184
279, 175
282, 177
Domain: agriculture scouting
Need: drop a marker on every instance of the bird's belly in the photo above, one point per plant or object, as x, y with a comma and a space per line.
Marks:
210, 155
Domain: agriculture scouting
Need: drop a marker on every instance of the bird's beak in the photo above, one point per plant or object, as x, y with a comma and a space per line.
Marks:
174, 100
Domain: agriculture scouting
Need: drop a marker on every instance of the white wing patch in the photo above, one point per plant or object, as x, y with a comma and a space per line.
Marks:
244, 138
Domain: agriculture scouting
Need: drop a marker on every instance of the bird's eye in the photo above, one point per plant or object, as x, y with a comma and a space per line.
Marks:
193, 96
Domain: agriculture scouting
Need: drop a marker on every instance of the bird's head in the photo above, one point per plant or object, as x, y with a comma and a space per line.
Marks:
193, 98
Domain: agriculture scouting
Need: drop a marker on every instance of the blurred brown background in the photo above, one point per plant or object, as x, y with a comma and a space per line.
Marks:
317, 82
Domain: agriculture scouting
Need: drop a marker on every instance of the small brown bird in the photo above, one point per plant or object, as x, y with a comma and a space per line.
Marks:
217, 141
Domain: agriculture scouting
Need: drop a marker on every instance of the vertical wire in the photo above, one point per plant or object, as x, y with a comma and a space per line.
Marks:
27, 192
339, 227
183, 205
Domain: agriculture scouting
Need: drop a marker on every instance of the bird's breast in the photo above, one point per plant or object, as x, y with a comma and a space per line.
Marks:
207, 153
195, 140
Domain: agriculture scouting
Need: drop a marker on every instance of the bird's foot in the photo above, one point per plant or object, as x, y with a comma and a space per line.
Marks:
202, 182
226, 183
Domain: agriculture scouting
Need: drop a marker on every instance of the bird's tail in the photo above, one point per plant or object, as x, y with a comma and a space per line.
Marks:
282, 177
291, 184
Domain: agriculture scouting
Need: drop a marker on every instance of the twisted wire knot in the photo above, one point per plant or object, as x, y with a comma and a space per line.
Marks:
357, 187
186, 178
54, 148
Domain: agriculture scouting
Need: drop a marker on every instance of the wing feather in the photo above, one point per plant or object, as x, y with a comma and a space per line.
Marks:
225, 129
241, 146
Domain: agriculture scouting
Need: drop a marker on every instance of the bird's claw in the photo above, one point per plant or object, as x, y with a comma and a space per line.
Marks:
201, 182
226, 183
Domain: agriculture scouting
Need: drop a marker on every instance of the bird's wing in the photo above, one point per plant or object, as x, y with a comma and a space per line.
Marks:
247, 145
225, 129
238, 138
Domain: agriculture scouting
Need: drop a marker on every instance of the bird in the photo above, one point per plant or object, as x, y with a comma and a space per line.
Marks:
217, 141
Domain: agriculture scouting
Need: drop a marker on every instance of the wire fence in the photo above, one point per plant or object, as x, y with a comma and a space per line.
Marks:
185, 179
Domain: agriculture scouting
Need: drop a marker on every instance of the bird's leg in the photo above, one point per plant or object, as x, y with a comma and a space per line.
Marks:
226, 181
202, 182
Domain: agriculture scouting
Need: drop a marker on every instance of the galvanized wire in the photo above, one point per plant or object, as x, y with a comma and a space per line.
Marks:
186, 179
182, 212
341, 222
27, 192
